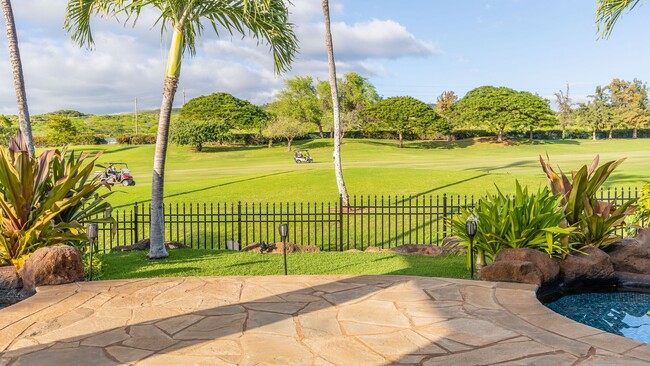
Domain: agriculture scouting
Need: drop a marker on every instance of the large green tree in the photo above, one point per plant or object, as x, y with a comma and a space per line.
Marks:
236, 112
443, 105
500, 109
263, 20
355, 93
299, 101
19, 80
565, 109
402, 115
629, 100
597, 113
283, 127
196, 133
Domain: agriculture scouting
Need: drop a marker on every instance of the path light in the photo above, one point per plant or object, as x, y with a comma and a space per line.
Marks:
92, 231
471, 232
284, 230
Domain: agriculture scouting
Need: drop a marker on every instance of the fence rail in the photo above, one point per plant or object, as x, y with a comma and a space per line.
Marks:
382, 221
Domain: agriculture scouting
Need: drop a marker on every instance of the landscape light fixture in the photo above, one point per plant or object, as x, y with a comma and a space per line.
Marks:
92, 231
284, 230
471, 232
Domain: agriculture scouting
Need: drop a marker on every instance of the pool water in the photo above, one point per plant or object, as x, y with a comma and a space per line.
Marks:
623, 313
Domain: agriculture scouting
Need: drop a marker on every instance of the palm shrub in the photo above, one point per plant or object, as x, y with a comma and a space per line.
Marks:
522, 220
595, 221
45, 201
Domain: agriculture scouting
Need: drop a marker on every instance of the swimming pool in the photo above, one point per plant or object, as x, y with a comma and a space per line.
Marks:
623, 313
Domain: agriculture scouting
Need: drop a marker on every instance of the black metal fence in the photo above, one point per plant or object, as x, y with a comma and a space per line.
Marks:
380, 221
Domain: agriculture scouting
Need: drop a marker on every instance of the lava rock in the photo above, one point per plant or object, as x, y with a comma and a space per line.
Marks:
629, 256
549, 268
9, 279
419, 249
512, 271
145, 244
591, 267
279, 248
53, 265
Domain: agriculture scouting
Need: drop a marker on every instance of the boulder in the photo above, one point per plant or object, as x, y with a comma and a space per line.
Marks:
450, 243
643, 237
9, 279
592, 267
547, 266
419, 249
279, 248
512, 271
376, 250
145, 244
53, 265
628, 255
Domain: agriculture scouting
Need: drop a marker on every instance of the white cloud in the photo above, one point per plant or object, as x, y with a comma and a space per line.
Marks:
128, 62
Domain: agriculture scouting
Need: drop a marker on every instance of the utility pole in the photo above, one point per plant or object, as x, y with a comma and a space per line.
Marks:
183, 96
136, 115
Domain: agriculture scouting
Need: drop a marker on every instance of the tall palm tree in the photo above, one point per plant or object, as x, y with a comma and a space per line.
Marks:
609, 11
338, 169
19, 81
264, 20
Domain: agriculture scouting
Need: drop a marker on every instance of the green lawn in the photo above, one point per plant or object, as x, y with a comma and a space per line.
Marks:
371, 167
197, 262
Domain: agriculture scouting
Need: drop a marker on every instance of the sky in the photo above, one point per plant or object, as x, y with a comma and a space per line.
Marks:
418, 48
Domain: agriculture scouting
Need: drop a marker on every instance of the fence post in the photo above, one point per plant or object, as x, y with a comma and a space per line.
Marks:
341, 222
135, 223
239, 224
444, 215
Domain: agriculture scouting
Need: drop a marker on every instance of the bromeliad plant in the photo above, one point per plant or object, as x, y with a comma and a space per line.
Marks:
595, 221
45, 201
523, 220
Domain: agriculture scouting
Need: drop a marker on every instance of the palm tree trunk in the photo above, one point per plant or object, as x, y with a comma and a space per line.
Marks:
19, 81
157, 231
336, 109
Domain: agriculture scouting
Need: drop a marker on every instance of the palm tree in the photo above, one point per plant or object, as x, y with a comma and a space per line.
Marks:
609, 11
338, 169
264, 20
19, 81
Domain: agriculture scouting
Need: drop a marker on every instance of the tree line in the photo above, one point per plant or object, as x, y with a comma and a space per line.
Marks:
304, 105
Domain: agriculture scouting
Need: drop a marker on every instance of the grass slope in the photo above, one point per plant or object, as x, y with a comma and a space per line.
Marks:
371, 167
199, 262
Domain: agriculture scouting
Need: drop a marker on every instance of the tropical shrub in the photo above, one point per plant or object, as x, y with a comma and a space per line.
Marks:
45, 201
595, 221
522, 220
61, 130
196, 133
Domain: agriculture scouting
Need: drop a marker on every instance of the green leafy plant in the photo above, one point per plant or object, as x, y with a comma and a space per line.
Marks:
45, 201
522, 220
595, 221
641, 215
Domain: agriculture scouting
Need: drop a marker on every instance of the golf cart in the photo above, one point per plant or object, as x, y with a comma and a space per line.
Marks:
302, 156
116, 173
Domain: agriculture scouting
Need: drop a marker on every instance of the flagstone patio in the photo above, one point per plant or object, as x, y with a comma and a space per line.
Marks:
300, 320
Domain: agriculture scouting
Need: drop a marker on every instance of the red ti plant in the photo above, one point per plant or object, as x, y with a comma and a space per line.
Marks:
595, 221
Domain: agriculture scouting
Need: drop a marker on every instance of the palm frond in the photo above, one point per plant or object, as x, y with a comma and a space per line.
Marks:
608, 13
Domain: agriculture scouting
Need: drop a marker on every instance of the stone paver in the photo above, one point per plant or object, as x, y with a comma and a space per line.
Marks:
300, 320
